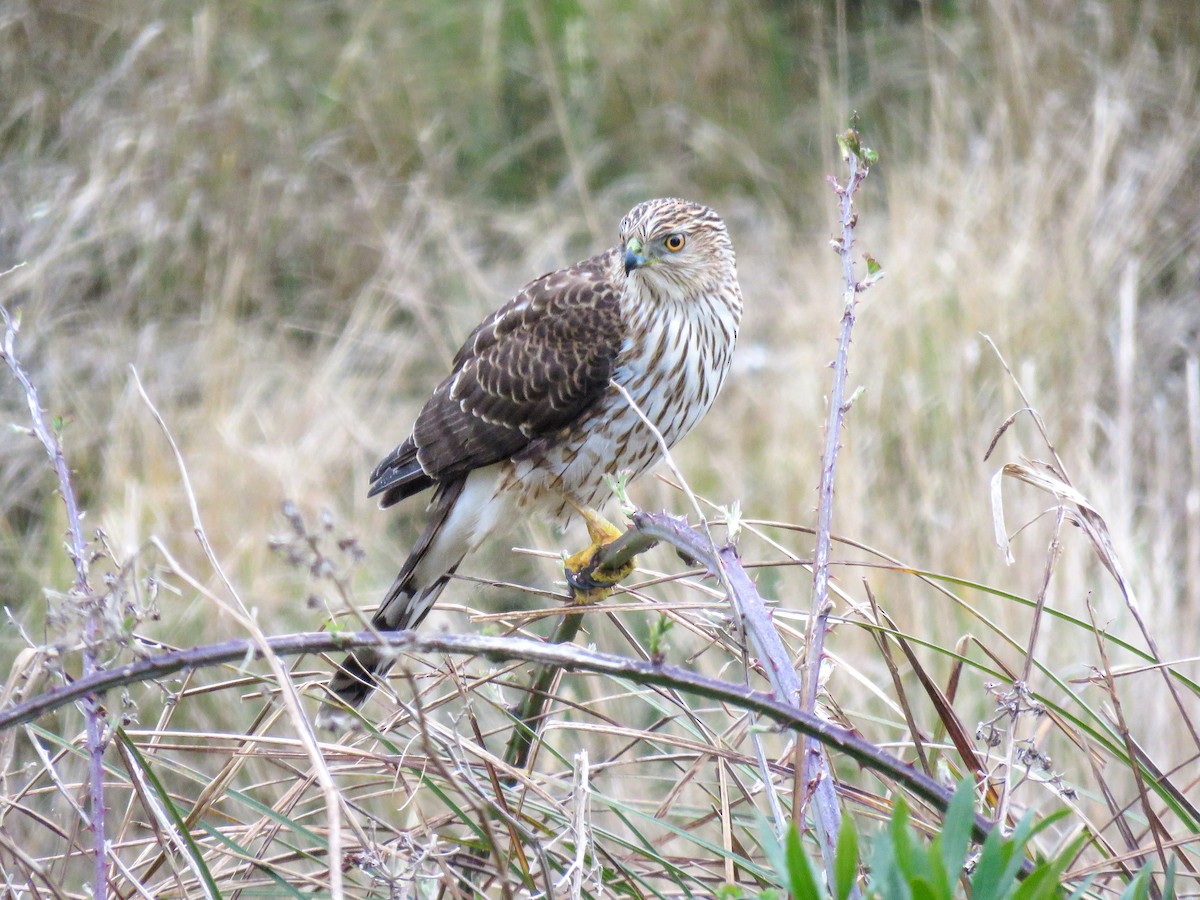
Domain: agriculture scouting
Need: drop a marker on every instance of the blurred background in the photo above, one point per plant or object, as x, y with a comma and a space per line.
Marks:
287, 216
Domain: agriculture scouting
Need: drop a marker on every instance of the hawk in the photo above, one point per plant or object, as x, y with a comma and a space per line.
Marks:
529, 420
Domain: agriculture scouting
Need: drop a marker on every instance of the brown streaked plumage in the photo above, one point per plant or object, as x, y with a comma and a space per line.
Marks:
528, 419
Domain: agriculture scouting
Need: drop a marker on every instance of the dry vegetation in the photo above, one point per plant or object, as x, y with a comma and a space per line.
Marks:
285, 215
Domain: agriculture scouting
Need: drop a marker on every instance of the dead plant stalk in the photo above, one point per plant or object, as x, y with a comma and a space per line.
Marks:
81, 592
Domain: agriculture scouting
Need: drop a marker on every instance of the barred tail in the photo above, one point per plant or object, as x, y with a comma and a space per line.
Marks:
363, 668
408, 601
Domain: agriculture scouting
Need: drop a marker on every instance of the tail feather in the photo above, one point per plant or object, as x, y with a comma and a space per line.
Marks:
428, 569
363, 669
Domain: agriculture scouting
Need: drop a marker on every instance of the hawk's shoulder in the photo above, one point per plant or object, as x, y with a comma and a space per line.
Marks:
581, 298
534, 366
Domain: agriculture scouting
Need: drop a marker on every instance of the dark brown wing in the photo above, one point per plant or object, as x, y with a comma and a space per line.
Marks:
532, 367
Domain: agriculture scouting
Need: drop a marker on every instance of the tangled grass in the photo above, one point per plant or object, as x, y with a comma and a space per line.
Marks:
285, 216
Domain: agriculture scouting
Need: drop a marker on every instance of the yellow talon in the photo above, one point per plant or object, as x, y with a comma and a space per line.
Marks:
589, 587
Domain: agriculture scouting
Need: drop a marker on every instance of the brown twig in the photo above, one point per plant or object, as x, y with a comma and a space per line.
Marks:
94, 713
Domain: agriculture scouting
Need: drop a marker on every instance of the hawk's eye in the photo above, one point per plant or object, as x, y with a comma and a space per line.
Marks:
674, 242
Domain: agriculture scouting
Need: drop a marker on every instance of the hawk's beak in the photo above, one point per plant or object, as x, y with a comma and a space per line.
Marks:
633, 255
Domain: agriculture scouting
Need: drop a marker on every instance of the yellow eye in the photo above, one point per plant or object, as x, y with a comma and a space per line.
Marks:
674, 242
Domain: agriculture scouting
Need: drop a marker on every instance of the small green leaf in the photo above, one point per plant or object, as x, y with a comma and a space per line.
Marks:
1022, 834
985, 881
923, 890
956, 829
849, 143
884, 878
619, 485
1168, 891
801, 879
1058, 866
912, 860
846, 862
1082, 889
658, 636
1139, 887
1040, 884
874, 272
733, 520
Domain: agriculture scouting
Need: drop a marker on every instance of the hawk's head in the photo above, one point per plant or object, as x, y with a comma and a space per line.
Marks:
676, 248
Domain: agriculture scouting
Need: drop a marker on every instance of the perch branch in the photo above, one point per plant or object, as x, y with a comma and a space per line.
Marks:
648, 529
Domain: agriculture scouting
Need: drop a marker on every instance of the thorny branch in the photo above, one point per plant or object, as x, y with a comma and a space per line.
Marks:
94, 713
858, 160
500, 649
648, 529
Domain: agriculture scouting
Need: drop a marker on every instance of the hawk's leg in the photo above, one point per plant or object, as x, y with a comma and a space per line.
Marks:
589, 586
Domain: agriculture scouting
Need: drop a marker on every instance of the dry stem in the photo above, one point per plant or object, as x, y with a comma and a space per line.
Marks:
94, 712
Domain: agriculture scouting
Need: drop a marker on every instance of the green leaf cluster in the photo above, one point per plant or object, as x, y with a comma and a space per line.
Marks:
902, 866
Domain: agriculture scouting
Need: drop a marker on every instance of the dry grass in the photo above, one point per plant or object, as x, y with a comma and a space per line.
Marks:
285, 216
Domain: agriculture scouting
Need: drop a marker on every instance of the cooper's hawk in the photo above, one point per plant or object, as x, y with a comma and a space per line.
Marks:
529, 419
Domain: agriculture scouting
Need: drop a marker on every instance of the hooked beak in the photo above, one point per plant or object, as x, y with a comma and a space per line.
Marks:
633, 255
